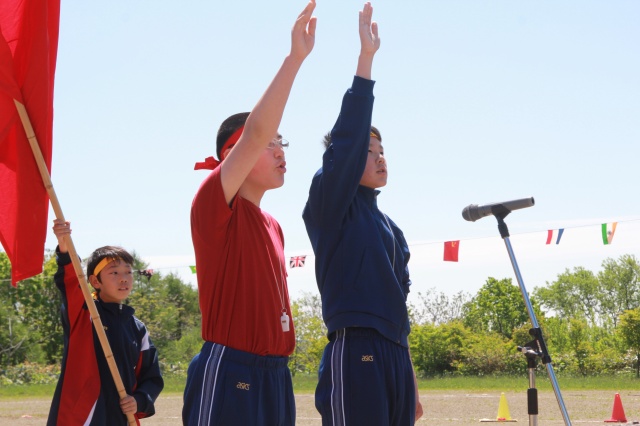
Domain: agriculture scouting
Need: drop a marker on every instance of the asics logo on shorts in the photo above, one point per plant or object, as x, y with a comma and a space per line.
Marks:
367, 358
243, 386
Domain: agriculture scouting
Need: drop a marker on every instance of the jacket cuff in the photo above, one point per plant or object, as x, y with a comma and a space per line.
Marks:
362, 86
144, 403
62, 258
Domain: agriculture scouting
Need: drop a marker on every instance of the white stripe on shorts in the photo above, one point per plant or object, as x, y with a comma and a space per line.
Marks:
210, 376
337, 391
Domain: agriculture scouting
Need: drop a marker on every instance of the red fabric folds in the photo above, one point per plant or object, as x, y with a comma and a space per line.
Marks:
28, 50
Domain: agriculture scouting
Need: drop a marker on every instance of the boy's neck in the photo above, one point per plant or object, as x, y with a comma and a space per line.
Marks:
253, 196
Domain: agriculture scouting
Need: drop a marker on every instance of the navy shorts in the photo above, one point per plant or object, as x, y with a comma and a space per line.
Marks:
365, 379
226, 386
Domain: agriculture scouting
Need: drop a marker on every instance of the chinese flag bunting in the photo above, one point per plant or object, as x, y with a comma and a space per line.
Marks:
28, 49
451, 250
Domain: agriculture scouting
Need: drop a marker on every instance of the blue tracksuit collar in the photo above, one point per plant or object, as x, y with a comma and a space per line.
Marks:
124, 311
370, 195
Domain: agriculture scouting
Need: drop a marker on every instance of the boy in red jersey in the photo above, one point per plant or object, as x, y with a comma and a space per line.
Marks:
241, 375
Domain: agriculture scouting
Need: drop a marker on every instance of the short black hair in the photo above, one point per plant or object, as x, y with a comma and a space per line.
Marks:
111, 252
326, 140
227, 128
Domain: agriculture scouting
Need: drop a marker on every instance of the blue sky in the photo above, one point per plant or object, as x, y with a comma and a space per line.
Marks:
477, 102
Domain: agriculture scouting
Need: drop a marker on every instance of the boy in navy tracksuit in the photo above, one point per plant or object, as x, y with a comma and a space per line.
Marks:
366, 375
86, 393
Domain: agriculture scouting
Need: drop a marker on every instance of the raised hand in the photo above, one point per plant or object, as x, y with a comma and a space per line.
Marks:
369, 40
303, 34
60, 229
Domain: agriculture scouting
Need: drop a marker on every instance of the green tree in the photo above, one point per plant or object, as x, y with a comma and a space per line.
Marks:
437, 307
497, 307
490, 354
437, 349
167, 306
629, 329
177, 355
572, 295
580, 345
311, 334
619, 286
14, 337
35, 305
13, 334
555, 331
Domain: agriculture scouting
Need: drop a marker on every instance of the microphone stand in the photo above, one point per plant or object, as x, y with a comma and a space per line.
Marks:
537, 347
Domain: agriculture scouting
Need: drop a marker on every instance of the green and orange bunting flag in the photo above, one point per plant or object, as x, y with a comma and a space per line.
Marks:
608, 230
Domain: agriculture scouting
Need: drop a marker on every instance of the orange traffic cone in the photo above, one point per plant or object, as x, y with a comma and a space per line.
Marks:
617, 416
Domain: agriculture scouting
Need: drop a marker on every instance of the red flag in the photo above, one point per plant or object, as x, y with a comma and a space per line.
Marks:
451, 250
28, 50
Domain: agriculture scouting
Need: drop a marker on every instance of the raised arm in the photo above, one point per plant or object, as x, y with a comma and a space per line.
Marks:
369, 42
344, 161
263, 122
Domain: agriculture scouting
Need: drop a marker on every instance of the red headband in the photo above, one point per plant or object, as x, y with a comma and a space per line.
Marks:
211, 163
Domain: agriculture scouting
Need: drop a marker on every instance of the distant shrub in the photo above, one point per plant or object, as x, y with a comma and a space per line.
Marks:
31, 374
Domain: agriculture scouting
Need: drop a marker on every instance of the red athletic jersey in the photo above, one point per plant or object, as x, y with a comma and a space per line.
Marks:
241, 272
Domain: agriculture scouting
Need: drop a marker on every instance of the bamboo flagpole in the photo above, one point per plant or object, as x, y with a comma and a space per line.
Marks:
95, 316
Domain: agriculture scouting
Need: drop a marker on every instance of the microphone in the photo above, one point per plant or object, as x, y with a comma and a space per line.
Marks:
474, 212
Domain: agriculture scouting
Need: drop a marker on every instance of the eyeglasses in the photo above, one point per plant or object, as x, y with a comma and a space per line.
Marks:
279, 142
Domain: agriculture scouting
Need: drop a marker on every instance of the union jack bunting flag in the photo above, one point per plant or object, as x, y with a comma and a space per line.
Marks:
297, 261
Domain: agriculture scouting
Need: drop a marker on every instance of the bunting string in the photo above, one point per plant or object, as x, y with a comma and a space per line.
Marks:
451, 247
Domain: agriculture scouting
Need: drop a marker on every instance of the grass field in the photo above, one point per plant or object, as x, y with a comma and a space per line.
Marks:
461, 401
307, 384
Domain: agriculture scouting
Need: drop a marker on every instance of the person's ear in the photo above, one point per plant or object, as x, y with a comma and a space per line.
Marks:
93, 280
